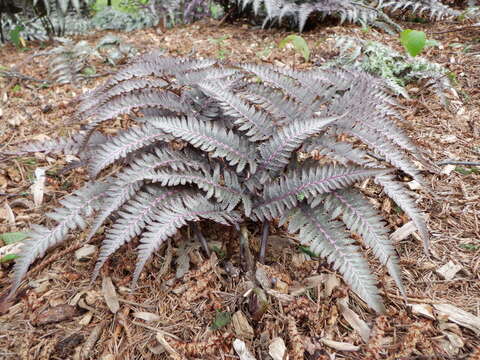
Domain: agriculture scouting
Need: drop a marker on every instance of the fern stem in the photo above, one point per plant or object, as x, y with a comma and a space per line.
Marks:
264, 241
198, 233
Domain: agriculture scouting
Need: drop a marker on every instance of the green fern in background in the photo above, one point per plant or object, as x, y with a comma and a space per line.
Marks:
395, 68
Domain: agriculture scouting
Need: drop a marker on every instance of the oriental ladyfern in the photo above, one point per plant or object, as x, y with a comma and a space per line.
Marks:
222, 143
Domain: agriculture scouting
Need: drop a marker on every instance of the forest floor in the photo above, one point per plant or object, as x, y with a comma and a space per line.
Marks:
57, 314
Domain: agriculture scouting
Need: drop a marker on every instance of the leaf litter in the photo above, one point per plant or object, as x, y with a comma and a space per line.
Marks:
306, 310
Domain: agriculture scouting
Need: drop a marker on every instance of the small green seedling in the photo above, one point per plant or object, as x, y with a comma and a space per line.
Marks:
299, 44
220, 42
413, 41
221, 319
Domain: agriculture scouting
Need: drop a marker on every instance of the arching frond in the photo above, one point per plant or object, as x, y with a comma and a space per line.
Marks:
307, 183
133, 217
328, 239
168, 220
210, 137
75, 207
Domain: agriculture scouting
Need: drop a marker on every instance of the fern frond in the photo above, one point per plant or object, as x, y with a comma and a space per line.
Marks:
151, 64
210, 137
123, 144
434, 7
329, 239
277, 151
90, 104
284, 193
283, 109
140, 99
168, 220
400, 195
360, 217
134, 216
283, 82
258, 125
82, 203
126, 183
226, 190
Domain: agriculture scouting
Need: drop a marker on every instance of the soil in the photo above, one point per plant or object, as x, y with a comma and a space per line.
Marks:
197, 307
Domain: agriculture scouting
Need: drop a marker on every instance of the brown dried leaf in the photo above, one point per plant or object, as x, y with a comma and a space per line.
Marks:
55, 314
353, 319
110, 295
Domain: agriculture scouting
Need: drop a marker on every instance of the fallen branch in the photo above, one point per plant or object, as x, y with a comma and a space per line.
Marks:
459, 162
20, 76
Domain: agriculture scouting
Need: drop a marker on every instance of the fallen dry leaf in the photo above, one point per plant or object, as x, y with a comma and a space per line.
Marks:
55, 314
403, 232
424, 310
353, 319
110, 295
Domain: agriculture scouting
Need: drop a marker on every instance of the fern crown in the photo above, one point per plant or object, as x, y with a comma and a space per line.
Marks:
227, 144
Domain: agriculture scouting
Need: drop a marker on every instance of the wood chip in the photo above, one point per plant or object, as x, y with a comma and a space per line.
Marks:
168, 348
262, 278
449, 270
424, 310
403, 232
331, 283
9, 215
147, 316
110, 295
354, 320
277, 349
38, 187
242, 351
85, 320
182, 261
447, 169
459, 316
340, 346
85, 252
241, 325
91, 340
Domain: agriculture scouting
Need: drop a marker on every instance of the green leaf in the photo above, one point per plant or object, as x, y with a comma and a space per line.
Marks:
88, 71
413, 41
298, 43
13, 237
17, 88
8, 258
221, 319
306, 250
15, 36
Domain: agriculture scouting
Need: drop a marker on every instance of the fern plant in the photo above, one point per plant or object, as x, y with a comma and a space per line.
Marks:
227, 143
366, 12
396, 69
